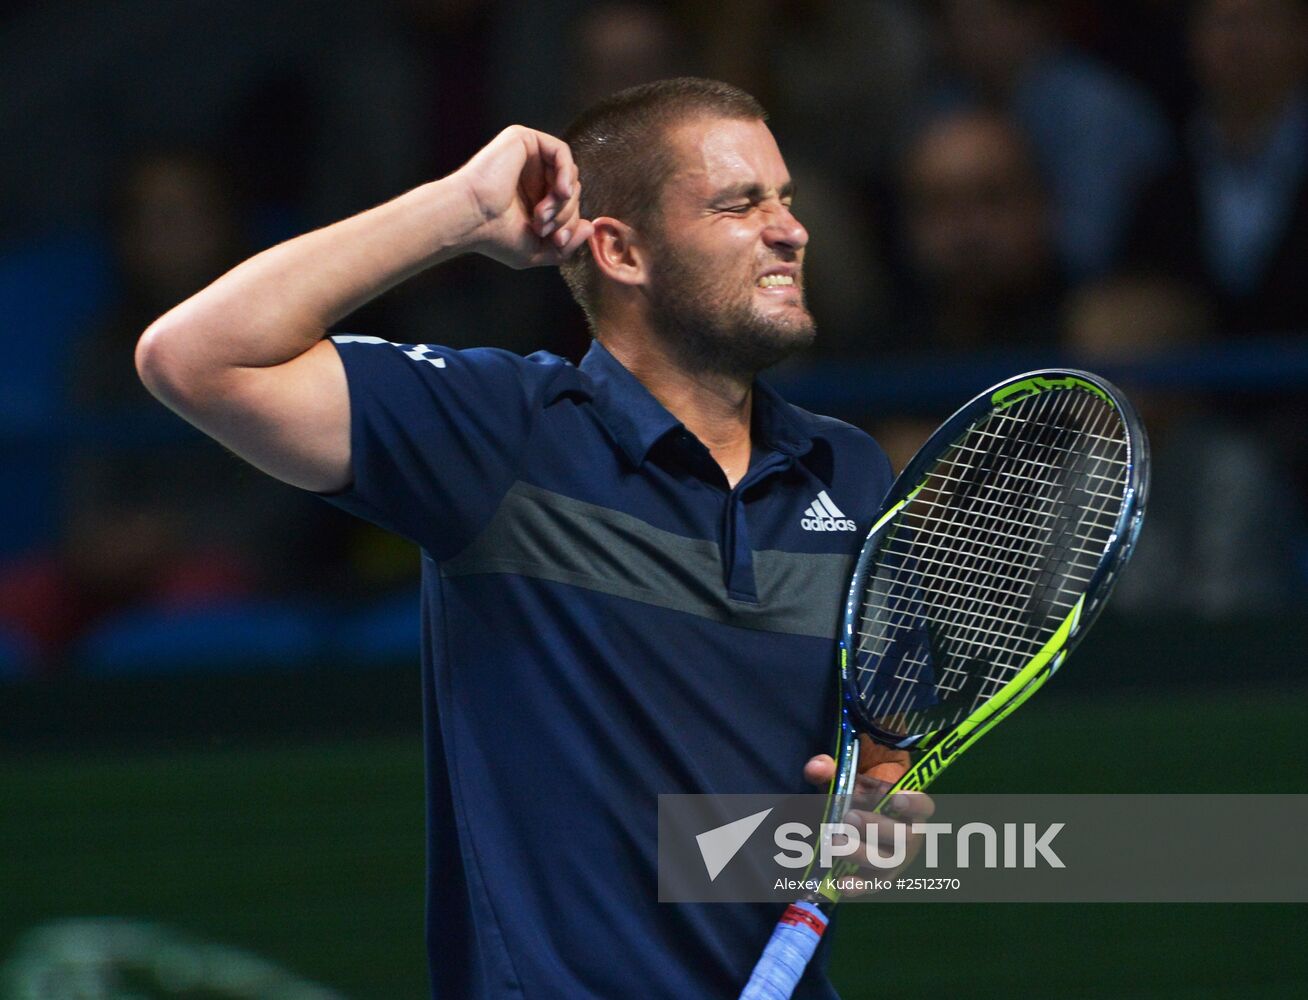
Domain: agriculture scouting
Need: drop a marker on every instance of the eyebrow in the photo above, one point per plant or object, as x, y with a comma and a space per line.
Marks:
751, 190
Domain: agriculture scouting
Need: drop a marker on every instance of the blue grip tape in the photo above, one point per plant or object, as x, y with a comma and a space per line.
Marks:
782, 964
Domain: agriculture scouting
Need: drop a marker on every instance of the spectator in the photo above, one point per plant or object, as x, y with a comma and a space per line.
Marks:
174, 222
313, 102
977, 226
621, 44
843, 77
1144, 39
1232, 219
158, 518
1234, 552
1097, 138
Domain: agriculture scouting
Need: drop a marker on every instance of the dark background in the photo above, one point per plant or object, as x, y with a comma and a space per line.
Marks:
209, 727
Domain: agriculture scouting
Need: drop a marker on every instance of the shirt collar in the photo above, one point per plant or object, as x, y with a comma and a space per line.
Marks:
633, 416
779, 425
637, 420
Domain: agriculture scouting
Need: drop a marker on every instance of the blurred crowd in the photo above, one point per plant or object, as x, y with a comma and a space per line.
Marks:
1101, 181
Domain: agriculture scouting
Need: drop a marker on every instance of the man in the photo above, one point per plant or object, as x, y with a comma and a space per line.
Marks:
632, 570
978, 234
1097, 137
1231, 218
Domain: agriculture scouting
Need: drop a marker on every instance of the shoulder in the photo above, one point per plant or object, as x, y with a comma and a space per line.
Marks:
486, 368
843, 436
854, 452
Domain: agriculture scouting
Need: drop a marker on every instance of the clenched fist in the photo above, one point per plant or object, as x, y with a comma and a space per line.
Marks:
525, 189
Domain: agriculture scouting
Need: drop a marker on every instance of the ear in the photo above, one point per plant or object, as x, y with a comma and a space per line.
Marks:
618, 252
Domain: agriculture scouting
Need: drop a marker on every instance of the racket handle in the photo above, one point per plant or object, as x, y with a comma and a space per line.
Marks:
782, 964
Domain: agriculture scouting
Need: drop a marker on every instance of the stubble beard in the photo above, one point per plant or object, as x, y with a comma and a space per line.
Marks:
708, 335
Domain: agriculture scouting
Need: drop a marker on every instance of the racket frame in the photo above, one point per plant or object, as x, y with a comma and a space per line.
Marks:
943, 746
796, 937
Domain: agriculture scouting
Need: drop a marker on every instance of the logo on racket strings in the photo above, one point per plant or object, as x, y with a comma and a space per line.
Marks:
823, 515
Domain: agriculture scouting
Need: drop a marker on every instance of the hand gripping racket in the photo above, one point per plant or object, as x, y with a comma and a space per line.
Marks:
997, 548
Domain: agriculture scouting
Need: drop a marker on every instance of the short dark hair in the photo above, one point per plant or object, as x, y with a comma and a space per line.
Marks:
623, 159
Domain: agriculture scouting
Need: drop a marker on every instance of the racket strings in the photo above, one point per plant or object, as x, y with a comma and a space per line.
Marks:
952, 669
973, 598
988, 558
977, 596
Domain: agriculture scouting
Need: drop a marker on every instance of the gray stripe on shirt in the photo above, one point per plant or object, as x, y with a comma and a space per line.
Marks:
544, 535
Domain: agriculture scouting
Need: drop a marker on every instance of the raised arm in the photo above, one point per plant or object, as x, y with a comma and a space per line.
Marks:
245, 360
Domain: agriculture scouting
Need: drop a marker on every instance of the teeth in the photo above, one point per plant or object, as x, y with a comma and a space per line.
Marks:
772, 280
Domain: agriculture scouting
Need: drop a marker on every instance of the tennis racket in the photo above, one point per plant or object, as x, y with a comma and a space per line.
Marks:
996, 549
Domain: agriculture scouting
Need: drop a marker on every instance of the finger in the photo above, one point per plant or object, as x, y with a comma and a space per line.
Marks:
873, 824
563, 243
563, 217
578, 234
820, 770
545, 216
869, 792
571, 208
563, 170
884, 834
559, 181
533, 189
552, 214
911, 807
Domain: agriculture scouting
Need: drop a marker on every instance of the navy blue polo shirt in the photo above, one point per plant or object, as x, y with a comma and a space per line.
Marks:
604, 620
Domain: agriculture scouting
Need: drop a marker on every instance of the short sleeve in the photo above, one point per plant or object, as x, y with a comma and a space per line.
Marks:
436, 435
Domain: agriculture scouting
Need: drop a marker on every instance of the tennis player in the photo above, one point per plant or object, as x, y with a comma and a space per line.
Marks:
632, 569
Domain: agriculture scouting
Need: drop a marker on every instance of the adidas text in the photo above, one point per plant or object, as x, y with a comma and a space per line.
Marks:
828, 524
823, 515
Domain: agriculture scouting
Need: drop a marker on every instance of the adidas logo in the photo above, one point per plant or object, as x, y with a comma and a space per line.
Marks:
823, 515
418, 352
423, 352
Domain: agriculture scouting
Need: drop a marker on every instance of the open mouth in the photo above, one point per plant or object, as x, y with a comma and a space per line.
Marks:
776, 281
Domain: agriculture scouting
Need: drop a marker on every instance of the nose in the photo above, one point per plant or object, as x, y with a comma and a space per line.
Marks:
783, 231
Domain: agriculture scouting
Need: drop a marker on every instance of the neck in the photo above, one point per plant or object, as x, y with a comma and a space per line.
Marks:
715, 408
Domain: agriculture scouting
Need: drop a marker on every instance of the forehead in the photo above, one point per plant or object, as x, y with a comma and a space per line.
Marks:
712, 154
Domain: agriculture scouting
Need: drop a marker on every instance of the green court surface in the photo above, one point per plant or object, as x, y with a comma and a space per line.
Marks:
1142, 744
310, 856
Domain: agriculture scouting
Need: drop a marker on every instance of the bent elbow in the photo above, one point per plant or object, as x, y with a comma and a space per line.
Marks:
149, 358
159, 365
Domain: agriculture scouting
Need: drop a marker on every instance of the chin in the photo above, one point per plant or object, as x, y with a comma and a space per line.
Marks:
795, 323
772, 341
738, 337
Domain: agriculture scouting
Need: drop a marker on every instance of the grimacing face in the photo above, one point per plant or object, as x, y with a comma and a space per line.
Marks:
726, 286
